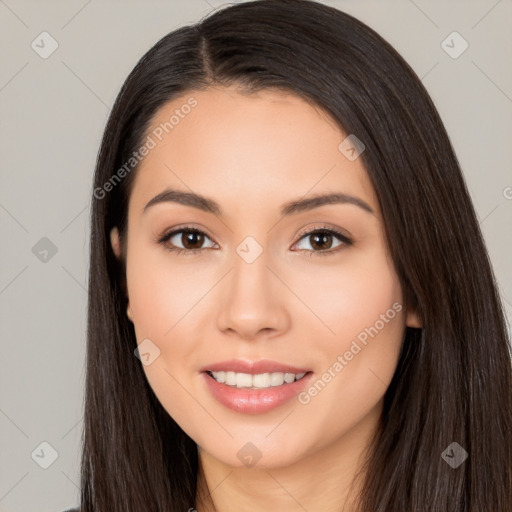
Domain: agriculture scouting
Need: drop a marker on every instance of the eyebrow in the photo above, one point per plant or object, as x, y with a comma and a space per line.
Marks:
290, 208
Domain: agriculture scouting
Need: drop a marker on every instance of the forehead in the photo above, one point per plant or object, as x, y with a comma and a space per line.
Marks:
259, 148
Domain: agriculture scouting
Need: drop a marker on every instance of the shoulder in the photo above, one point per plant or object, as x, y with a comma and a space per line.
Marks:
72, 510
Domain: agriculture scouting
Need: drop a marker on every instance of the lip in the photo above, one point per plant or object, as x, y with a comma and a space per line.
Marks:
254, 401
253, 367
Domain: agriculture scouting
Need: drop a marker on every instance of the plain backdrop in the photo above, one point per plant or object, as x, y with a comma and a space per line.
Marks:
53, 111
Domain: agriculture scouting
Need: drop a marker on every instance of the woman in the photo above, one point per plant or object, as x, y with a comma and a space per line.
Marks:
229, 367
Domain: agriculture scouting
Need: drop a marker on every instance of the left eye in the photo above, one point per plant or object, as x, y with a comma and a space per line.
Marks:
322, 237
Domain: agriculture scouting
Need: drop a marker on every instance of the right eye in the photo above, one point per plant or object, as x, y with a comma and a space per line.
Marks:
187, 236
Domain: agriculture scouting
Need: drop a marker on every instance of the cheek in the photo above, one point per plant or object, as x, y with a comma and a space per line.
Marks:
362, 324
362, 309
350, 297
165, 300
163, 293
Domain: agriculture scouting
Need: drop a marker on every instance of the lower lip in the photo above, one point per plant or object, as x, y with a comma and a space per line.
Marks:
254, 401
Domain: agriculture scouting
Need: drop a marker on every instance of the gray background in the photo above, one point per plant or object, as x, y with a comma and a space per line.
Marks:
53, 112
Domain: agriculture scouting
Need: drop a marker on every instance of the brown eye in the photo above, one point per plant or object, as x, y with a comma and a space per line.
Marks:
190, 239
321, 241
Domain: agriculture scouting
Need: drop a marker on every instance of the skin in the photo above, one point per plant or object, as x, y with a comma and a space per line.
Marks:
251, 154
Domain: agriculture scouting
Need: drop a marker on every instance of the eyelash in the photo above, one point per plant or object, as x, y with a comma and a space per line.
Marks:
346, 242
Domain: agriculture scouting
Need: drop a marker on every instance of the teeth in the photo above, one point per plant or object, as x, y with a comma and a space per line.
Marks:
221, 377
276, 379
289, 377
243, 380
231, 378
258, 381
261, 380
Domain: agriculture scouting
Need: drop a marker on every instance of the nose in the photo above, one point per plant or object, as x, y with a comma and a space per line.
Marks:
253, 301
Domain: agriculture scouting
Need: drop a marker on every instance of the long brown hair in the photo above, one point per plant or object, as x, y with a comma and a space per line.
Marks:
453, 382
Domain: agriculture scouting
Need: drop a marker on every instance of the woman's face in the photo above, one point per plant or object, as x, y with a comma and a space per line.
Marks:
276, 292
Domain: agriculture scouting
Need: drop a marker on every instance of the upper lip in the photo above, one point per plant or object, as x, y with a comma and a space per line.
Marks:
252, 367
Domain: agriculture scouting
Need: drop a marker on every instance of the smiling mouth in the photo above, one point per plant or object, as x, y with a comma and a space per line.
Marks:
255, 381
